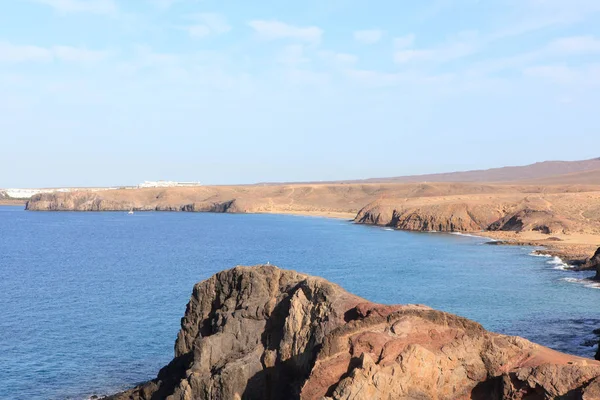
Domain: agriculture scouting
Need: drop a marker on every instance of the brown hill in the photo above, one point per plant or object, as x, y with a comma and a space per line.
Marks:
540, 170
575, 178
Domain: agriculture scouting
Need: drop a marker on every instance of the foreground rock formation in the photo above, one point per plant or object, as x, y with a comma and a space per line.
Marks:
265, 333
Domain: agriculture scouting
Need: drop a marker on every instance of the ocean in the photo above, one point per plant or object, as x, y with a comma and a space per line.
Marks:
90, 303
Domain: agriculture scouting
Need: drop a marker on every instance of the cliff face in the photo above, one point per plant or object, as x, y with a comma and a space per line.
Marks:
265, 333
468, 214
443, 217
91, 201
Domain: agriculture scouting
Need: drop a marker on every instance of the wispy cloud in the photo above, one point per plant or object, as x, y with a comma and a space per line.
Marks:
463, 46
576, 45
12, 53
271, 30
164, 4
403, 42
381, 79
293, 55
106, 7
338, 59
206, 24
557, 49
566, 75
368, 36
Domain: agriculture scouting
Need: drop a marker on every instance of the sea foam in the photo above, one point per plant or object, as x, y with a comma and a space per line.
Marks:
558, 263
585, 282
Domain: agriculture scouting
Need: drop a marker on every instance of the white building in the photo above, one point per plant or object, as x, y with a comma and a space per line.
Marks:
28, 193
157, 184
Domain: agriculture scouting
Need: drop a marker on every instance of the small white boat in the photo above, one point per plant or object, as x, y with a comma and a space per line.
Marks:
130, 212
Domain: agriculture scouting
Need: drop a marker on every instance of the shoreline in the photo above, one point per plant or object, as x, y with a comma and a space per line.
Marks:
573, 249
13, 203
321, 214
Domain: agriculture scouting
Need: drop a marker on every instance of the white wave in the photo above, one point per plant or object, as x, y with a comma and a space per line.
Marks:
473, 236
388, 229
585, 282
558, 263
535, 253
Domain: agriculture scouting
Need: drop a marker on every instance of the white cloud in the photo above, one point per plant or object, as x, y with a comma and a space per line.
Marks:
208, 24
11, 53
445, 53
302, 77
164, 4
383, 79
338, 59
562, 74
559, 73
558, 49
404, 41
568, 7
272, 30
293, 55
106, 7
78, 55
576, 45
368, 36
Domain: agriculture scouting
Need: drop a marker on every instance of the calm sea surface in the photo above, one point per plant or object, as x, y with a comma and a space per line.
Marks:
90, 303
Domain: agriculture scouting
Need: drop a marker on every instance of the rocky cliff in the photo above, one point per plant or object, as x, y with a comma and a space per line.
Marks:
594, 263
545, 214
91, 201
265, 333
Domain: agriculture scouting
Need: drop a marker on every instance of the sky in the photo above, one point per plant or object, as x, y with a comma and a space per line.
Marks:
115, 92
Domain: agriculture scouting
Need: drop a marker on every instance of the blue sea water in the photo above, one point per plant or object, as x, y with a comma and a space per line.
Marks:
90, 303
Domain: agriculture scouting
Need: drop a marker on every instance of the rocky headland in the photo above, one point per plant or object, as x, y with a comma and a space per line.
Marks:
266, 333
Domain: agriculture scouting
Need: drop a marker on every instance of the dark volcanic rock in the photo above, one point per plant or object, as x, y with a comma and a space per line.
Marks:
594, 263
265, 333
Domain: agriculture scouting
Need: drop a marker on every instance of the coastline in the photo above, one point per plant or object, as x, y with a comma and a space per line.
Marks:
489, 235
573, 249
322, 214
570, 251
13, 203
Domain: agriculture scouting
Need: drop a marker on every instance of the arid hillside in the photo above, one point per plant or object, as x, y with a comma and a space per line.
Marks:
300, 198
547, 169
576, 178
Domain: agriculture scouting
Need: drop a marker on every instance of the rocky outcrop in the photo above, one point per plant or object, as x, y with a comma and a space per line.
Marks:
527, 219
448, 217
265, 333
456, 215
93, 201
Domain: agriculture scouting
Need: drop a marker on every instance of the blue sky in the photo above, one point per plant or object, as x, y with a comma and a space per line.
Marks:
103, 92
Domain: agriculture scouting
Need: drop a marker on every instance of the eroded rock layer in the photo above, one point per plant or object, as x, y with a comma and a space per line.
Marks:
265, 333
